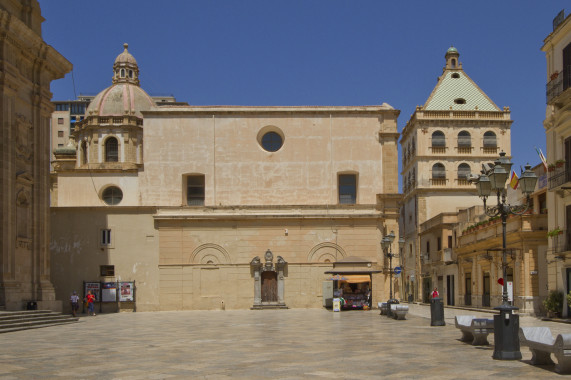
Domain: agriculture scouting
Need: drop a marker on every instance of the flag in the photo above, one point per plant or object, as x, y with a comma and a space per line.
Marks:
514, 181
542, 157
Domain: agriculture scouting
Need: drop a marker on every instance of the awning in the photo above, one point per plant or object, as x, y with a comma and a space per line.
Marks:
357, 278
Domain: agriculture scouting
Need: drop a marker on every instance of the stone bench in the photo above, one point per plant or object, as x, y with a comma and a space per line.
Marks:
474, 329
383, 307
399, 311
542, 344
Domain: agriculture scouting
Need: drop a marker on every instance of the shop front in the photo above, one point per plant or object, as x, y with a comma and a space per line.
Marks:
352, 283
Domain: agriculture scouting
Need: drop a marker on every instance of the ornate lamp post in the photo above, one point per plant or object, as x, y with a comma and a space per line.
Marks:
492, 180
386, 244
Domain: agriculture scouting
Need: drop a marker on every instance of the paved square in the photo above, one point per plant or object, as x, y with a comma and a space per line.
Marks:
244, 344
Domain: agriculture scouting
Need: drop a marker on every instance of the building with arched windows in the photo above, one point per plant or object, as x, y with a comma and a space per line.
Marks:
205, 207
457, 129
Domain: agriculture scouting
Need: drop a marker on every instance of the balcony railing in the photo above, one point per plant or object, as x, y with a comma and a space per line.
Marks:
464, 149
558, 177
490, 149
438, 181
438, 149
561, 243
557, 85
447, 255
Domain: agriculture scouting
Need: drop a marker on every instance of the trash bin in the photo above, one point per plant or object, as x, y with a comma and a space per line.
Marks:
410, 299
437, 312
32, 305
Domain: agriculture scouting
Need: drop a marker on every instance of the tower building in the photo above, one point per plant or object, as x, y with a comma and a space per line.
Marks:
448, 137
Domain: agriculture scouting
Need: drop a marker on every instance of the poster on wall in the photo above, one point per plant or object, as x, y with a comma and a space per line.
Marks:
95, 290
109, 292
126, 291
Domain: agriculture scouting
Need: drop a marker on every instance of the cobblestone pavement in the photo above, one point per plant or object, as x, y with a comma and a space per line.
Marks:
269, 344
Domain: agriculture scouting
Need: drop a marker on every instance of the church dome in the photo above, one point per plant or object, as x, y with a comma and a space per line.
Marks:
124, 96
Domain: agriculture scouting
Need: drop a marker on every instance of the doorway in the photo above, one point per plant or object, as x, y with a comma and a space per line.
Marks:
269, 286
468, 290
450, 290
486, 294
568, 289
426, 289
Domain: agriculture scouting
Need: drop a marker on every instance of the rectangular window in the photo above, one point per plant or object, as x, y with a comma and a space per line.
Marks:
347, 188
438, 243
105, 237
107, 270
428, 247
450, 241
195, 190
60, 120
60, 145
59, 133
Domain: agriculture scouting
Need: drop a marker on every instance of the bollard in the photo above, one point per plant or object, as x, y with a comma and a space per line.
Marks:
506, 334
437, 312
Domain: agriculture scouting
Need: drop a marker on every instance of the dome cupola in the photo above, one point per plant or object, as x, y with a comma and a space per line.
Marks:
452, 62
125, 68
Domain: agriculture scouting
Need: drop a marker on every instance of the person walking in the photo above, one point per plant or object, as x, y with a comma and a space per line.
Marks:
435, 293
90, 303
74, 300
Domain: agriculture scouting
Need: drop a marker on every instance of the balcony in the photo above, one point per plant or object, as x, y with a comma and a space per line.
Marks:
438, 149
558, 177
561, 243
464, 149
446, 255
558, 84
438, 181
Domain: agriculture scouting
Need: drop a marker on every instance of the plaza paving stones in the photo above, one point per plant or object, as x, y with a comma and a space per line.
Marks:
272, 344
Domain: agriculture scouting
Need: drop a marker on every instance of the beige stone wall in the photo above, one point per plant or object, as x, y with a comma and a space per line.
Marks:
238, 171
77, 253
86, 187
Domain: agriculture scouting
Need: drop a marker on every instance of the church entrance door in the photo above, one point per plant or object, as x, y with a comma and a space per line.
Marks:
269, 286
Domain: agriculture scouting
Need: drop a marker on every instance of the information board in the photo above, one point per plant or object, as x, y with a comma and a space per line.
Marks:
126, 291
109, 292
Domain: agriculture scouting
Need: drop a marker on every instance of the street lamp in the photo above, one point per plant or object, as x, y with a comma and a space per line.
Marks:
386, 244
493, 180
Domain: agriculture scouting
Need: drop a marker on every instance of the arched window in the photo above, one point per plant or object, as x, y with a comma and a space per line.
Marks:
122, 73
453, 62
464, 139
130, 73
111, 150
438, 174
463, 171
490, 142
83, 153
438, 139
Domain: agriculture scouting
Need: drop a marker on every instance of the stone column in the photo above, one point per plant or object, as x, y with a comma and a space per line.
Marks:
255, 266
280, 266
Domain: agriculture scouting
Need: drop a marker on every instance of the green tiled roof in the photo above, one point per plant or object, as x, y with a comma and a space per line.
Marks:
449, 89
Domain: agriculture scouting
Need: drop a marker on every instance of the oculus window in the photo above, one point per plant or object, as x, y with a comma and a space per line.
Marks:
195, 190
272, 141
347, 188
112, 195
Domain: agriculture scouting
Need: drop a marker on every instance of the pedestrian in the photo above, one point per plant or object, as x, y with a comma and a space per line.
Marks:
74, 303
435, 293
90, 300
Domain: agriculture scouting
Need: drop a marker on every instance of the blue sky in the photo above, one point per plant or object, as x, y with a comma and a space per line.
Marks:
312, 52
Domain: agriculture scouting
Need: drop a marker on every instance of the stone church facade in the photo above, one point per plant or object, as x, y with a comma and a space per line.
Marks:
209, 207
27, 66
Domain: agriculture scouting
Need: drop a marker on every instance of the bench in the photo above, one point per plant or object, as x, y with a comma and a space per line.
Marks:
399, 311
542, 344
383, 307
474, 329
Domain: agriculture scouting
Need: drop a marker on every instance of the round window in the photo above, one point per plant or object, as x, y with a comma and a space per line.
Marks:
272, 142
112, 195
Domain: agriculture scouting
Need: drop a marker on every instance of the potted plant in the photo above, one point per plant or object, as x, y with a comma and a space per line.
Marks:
559, 163
554, 303
555, 232
550, 167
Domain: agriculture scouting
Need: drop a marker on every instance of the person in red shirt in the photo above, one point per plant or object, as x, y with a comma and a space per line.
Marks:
435, 293
90, 303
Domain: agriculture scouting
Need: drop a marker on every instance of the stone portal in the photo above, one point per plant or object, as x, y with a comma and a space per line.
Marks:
268, 282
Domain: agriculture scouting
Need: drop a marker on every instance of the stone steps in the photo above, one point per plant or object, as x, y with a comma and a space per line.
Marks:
33, 319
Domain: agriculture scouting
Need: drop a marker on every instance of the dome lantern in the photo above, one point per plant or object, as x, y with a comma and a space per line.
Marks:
125, 68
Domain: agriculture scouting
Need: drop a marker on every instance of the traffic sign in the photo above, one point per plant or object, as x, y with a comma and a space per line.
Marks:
397, 270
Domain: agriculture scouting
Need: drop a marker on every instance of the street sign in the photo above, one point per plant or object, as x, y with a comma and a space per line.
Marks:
397, 270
